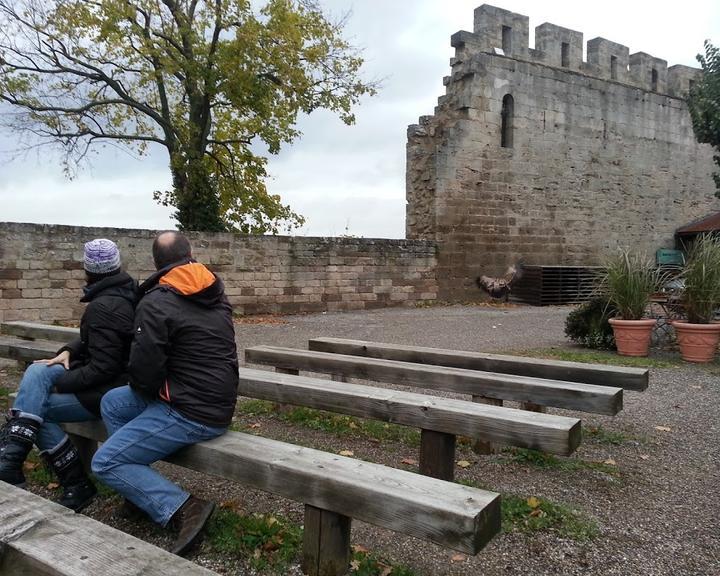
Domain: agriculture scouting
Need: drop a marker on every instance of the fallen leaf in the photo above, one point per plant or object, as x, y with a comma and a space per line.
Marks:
346, 453
533, 502
359, 549
53, 485
257, 553
352, 425
355, 565
30, 465
463, 463
408, 461
610, 462
385, 569
458, 558
537, 513
644, 457
255, 425
663, 428
271, 520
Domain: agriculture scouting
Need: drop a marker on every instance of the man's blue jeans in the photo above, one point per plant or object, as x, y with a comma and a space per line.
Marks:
140, 433
36, 401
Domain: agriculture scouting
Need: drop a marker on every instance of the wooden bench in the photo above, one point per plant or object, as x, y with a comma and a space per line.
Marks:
440, 419
539, 391
335, 489
35, 331
29, 341
41, 538
600, 374
27, 350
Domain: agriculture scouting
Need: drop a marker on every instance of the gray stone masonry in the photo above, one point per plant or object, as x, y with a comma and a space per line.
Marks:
602, 153
41, 270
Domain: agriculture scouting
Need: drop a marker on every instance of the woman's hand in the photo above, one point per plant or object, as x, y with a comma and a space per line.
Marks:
62, 358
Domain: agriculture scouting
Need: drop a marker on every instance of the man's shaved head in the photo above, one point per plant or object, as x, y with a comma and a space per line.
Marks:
170, 247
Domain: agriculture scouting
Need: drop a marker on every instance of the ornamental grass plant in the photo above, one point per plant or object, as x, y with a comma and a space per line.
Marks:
629, 282
701, 294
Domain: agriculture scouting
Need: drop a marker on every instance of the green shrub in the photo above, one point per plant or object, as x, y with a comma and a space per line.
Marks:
701, 295
588, 324
629, 282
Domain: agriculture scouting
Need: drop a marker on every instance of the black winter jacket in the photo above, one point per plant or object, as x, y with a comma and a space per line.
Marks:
99, 357
183, 351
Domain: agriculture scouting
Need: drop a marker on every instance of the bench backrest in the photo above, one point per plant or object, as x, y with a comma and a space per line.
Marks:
600, 374
544, 392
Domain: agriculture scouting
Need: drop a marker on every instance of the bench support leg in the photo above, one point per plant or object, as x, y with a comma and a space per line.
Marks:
532, 407
437, 454
326, 543
86, 449
285, 408
481, 446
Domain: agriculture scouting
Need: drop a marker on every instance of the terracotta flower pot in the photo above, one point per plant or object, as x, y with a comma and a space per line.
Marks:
698, 342
632, 337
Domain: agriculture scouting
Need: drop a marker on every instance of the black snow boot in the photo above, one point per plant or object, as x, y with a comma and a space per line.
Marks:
78, 489
18, 439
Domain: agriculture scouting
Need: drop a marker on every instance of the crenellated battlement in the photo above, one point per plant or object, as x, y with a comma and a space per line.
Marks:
547, 156
506, 33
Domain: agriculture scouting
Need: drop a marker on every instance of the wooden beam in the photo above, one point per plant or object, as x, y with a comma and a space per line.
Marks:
41, 538
599, 374
546, 432
27, 350
452, 515
556, 393
35, 331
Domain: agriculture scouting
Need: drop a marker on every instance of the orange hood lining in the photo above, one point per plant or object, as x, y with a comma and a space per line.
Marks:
189, 278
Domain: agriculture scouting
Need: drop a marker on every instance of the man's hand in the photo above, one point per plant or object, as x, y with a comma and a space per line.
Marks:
62, 358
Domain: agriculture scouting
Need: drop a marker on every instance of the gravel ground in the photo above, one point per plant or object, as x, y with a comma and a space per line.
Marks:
654, 500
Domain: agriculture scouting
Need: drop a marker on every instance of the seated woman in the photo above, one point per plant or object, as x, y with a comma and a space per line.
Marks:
69, 387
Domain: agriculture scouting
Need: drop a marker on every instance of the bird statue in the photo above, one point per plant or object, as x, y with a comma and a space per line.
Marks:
501, 287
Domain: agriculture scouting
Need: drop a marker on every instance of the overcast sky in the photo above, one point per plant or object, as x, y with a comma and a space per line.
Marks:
348, 180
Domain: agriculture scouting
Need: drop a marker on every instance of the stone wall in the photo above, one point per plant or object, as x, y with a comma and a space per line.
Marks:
603, 154
41, 272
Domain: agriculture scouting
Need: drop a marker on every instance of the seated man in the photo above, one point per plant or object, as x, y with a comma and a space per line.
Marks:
68, 388
183, 373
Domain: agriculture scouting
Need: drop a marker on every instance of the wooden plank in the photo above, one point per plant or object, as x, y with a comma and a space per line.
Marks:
326, 543
546, 432
27, 350
452, 515
599, 374
35, 331
41, 538
437, 455
568, 395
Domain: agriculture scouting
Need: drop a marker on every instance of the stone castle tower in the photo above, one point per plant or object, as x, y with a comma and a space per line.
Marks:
535, 153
